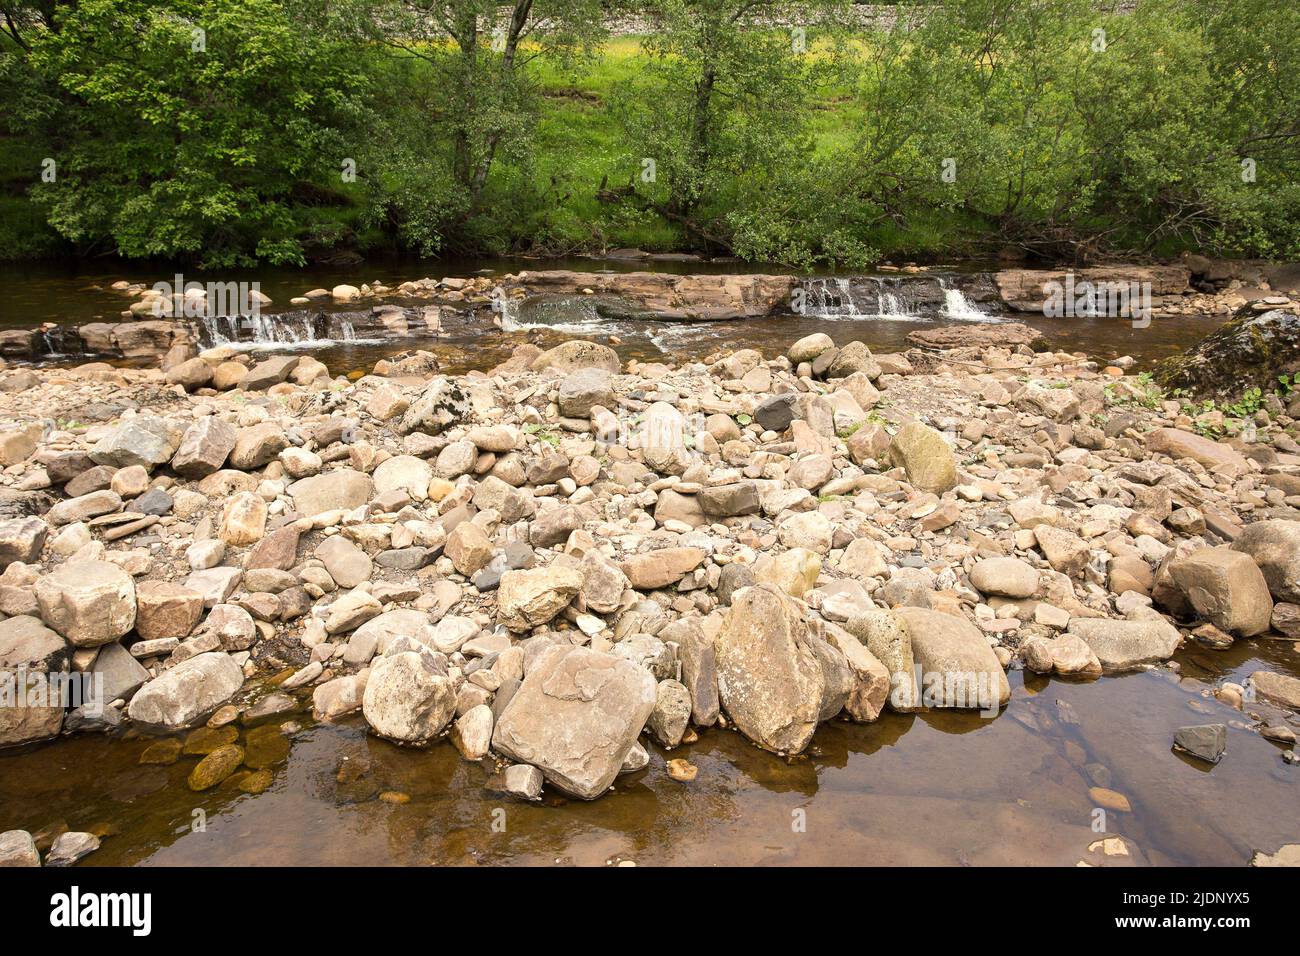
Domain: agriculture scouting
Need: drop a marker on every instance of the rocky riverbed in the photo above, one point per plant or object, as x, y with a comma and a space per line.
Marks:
572, 564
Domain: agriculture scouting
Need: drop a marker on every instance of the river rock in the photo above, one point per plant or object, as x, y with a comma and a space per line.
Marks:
257, 445
409, 698
770, 681
404, 473
29, 649
472, 732
89, 602
575, 717
340, 490
577, 354
671, 715
243, 520
22, 539
1127, 645
1281, 689
1178, 444
699, 668
204, 448
660, 568
347, 564
85, 507
888, 640
268, 372
853, 358
216, 767
182, 696
585, 388
810, 346
777, 412
1004, 577
70, 847
440, 403
870, 678
144, 441
166, 609
1226, 588
1204, 741
925, 456
530, 598
17, 848
954, 662
1275, 547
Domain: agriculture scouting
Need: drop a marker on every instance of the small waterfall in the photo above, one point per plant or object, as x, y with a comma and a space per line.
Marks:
903, 298
857, 298
283, 331
957, 306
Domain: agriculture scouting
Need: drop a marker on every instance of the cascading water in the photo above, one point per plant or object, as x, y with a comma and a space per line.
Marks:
867, 297
285, 330
957, 306
917, 298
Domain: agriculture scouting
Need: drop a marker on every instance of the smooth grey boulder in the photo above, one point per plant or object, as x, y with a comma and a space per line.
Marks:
1127, 645
187, 693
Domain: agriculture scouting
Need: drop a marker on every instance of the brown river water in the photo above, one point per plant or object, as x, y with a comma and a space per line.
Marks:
941, 788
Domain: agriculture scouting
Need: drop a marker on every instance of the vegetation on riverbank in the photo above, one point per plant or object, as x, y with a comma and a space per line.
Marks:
283, 131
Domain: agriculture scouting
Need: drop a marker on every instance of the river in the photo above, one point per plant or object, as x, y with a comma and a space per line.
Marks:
931, 788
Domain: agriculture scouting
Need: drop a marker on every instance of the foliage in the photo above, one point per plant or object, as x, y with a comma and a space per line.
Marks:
1066, 129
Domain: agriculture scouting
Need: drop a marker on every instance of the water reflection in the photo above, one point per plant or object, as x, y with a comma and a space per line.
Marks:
938, 787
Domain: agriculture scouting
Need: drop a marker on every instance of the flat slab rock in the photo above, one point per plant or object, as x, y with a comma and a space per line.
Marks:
575, 717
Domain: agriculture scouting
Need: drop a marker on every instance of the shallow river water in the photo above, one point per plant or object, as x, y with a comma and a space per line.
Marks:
930, 788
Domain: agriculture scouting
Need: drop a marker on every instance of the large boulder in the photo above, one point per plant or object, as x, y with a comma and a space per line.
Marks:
770, 679
88, 602
953, 660
1252, 349
925, 456
1275, 547
409, 697
187, 693
1127, 645
1226, 588
575, 717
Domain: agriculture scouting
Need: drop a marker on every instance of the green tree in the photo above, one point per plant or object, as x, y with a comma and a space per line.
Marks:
460, 97
189, 124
